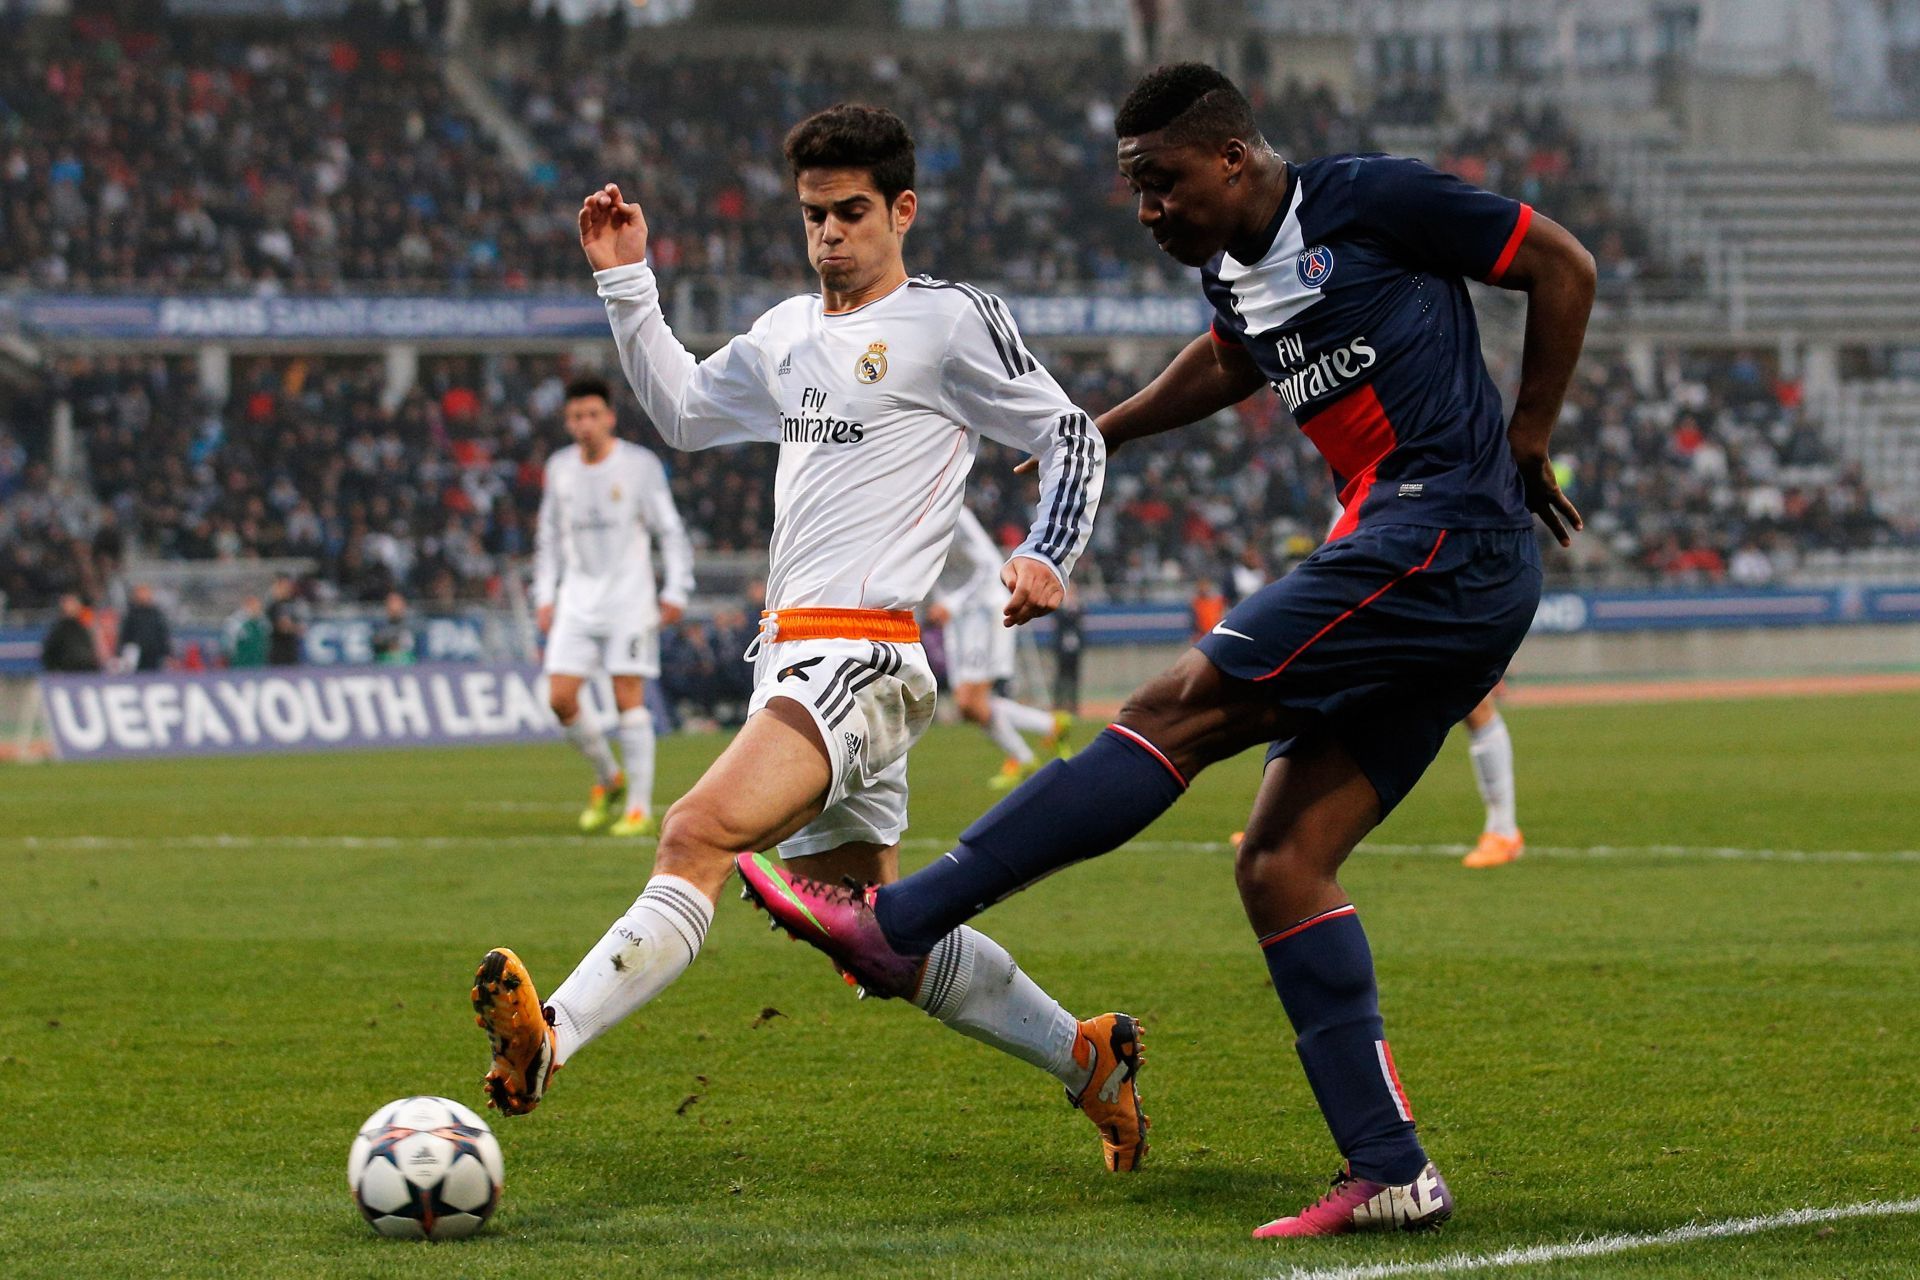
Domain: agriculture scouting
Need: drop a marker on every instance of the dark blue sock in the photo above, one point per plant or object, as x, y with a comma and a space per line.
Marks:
1323, 972
1069, 811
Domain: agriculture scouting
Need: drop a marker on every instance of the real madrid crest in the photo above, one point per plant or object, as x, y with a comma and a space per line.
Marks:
872, 364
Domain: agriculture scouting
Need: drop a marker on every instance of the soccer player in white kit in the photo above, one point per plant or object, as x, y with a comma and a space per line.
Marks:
876, 391
604, 507
967, 603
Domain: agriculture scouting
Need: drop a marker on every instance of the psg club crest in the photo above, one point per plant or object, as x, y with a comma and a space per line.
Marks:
872, 365
1315, 265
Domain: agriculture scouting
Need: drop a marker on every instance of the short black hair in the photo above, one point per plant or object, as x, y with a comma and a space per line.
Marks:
589, 385
1191, 100
850, 135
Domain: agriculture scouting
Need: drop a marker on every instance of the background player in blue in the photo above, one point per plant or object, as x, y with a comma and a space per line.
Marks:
1340, 281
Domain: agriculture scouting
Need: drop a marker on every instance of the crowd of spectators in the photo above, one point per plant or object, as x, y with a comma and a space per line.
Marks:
322, 156
431, 491
1016, 177
55, 538
1707, 471
212, 154
316, 156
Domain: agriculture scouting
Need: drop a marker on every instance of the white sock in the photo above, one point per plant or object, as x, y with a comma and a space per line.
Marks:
636, 756
1023, 717
641, 954
1006, 737
974, 986
1492, 751
584, 733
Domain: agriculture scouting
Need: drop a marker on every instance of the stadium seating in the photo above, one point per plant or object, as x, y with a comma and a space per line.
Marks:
1875, 423
137, 160
1803, 240
436, 494
231, 156
134, 161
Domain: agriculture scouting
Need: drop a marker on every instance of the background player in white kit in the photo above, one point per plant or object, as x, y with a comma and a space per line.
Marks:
968, 602
877, 391
604, 507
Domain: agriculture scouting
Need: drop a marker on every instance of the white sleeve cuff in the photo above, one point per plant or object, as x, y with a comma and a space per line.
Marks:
633, 282
1037, 558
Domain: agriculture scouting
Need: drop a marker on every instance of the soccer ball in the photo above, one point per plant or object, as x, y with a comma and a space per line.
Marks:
425, 1169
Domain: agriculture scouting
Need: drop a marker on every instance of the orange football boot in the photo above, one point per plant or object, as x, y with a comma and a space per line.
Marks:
518, 1030
1110, 1045
1495, 850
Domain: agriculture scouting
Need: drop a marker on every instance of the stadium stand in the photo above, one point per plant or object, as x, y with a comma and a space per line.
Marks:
135, 161
1825, 241
435, 494
217, 155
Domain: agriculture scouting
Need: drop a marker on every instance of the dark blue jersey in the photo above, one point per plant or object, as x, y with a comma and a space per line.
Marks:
1357, 312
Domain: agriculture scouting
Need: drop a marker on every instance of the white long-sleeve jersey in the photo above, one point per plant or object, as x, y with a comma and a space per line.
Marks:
593, 545
971, 578
878, 413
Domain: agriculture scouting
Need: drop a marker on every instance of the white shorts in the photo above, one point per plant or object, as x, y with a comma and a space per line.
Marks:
582, 649
980, 649
871, 702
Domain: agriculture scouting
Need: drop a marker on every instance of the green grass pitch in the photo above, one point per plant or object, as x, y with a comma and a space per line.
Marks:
1607, 1037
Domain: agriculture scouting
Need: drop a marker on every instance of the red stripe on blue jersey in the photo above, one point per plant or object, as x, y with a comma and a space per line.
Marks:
1354, 436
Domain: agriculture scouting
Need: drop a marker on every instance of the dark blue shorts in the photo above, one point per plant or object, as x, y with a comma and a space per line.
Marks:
1386, 638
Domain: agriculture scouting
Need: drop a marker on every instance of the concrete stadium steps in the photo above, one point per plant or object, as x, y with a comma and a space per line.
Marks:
1876, 423
1806, 241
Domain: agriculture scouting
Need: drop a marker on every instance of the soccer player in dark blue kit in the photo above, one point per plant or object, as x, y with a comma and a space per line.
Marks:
1342, 283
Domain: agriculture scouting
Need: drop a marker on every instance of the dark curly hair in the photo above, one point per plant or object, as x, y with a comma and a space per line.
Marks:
588, 385
849, 135
1192, 101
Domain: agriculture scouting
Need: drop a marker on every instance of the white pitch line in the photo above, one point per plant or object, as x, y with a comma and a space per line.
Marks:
1600, 1246
1704, 853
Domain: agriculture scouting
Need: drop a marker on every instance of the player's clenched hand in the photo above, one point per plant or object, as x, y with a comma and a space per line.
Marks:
1545, 500
671, 613
543, 618
1036, 591
613, 231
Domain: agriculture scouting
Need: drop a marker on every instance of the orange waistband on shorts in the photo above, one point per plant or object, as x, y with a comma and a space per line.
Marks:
893, 626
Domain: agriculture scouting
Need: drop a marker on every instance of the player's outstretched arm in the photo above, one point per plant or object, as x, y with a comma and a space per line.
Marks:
693, 404
1557, 275
1207, 376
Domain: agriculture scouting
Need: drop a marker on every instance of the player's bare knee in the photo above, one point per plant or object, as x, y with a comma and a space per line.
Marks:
694, 842
973, 705
1172, 710
1154, 709
564, 708
1279, 869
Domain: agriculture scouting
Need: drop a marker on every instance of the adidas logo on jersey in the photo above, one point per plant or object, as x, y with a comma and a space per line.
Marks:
786, 365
